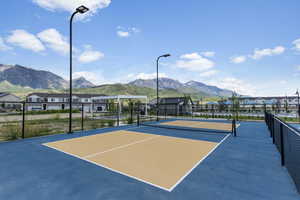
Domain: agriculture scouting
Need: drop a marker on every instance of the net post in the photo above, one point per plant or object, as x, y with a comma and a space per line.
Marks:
82, 116
23, 120
192, 111
118, 114
131, 112
138, 118
282, 145
234, 127
270, 125
165, 112
273, 129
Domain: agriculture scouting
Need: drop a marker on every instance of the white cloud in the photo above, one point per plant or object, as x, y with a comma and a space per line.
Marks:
96, 78
25, 40
209, 54
296, 44
3, 46
238, 59
127, 32
240, 86
208, 73
194, 62
54, 40
71, 5
191, 56
259, 53
146, 76
283, 82
298, 68
123, 34
90, 56
135, 30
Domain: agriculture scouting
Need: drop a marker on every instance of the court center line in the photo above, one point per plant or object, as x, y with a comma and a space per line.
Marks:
120, 147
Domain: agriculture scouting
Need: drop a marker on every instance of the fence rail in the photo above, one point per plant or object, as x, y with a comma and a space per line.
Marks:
287, 140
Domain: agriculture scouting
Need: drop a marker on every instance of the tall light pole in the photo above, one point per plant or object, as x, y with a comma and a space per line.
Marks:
298, 98
157, 86
81, 10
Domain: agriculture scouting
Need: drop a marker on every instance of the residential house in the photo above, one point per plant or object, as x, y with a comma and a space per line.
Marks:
60, 101
173, 105
279, 103
9, 101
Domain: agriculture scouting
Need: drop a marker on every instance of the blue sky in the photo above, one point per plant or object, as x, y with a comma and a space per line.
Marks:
252, 46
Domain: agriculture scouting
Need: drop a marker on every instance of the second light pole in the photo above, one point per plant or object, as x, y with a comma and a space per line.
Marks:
157, 85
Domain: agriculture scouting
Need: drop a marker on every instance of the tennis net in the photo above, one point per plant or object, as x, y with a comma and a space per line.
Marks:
188, 124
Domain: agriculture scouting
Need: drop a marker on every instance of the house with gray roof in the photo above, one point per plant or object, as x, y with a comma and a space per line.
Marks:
173, 105
9, 101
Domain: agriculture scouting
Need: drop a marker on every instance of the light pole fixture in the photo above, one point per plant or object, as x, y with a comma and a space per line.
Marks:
157, 86
81, 10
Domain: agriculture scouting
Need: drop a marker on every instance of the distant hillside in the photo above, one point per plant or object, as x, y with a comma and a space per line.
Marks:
111, 89
20, 91
128, 89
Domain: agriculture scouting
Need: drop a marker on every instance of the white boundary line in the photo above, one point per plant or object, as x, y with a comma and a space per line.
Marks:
133, 177
120, 147
196, 165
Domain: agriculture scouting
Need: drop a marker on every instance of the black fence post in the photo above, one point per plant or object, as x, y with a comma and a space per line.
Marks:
192, 111
282, 145
273, 129
23, 119
234, 127
165, 112
82, 117
269, 123
131, 112
118, 114
138, 118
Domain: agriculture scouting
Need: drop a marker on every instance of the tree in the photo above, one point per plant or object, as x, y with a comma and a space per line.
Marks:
112, 107
273, 107
286, 106
235, 104
278, 106
264, 107
253, 108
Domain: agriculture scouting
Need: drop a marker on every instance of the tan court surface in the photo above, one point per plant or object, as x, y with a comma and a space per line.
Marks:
157, 160
199, 124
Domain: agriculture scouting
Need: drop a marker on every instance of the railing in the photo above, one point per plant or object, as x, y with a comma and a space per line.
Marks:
287, 140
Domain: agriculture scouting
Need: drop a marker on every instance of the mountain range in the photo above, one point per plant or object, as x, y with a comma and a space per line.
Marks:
188, 87
38, 79
20, 78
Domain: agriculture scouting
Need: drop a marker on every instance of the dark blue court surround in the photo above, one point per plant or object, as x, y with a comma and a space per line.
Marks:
243, 168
